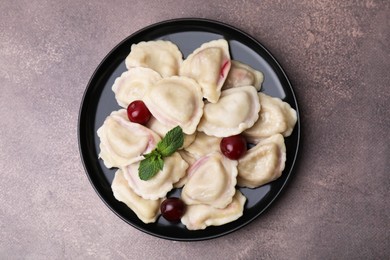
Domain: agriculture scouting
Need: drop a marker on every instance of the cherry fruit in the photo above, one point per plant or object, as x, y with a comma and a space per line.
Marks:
137, 112
172, 209
233, 147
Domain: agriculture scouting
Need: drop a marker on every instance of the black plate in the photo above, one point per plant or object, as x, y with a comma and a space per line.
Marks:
98, 102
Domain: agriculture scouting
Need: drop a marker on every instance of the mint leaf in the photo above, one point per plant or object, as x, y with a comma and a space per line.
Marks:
150, 166
172, 141
153, 162
153, 153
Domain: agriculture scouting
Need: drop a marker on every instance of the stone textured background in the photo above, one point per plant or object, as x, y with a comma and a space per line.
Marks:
337, 55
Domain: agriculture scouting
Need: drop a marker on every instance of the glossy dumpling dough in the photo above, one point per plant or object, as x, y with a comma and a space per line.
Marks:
162, 130
146, 210
158, 186
263, 163
275, 117
176, 101
237, 110
199, 217
209, 65
203, 145
241, 75
123, 142
211, 181
133, 84
161, 56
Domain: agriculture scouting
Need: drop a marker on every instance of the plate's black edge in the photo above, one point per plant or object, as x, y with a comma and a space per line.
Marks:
192, 20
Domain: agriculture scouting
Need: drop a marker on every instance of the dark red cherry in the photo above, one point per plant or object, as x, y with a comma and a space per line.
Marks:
137, 112
233, 147
172, 209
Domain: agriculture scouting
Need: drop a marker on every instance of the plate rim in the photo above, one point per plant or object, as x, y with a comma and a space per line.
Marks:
192, 20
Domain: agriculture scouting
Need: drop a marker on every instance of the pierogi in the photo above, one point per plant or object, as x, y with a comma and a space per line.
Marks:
210, 97
263, 163
133, 84
211, 181
146, 210
241, 75
275, 117
176, 101
123, 142
200, 216
209, 65
161, 56
236, 110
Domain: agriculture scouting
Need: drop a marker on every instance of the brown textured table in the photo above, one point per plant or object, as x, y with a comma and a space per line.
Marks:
337, 56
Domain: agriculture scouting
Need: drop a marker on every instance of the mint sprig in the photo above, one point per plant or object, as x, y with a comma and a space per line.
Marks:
172, 141
154, 161
150, 166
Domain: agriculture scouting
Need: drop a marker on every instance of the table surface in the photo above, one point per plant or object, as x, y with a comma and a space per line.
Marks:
337, 56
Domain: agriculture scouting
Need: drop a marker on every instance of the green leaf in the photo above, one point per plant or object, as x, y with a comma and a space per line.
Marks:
150, 166
153, 153
172, 141
153, 162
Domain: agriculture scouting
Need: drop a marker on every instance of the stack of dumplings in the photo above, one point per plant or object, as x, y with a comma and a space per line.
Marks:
210, 97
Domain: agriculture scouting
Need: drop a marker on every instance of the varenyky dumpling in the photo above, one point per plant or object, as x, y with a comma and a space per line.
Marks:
203, 145
263, 163
176, 101
161, 56
275, 117
209, 65
211, 181
123, 142
199, 217
241, 75
158, 186
236, 110
146, 210
162, 130
133, 84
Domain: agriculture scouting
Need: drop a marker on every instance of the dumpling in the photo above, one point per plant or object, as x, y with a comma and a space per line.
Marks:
176, 101
132, 85
201, 216
203, 145
162, 130
123, 142
237, 110
158, 186
211, 181
209, 65
241, 75
161, 56
275, 117
263, 163
146, 210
